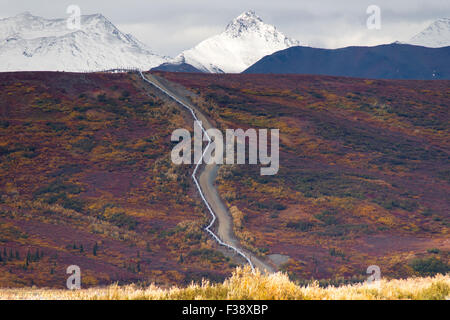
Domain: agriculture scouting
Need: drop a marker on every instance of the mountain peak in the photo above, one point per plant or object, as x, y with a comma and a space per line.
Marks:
442, 21
24, 14
247, 21
245, 40
29, 42
97, 16
249, 15
440, 24
437, 34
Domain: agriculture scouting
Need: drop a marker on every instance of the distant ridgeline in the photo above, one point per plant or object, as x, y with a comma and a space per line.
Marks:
392, 61
176, 67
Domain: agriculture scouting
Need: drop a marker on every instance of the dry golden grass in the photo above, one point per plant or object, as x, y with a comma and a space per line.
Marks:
244, 284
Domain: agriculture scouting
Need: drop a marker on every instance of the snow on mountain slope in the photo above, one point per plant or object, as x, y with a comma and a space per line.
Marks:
31, 43
246, 40
435, 36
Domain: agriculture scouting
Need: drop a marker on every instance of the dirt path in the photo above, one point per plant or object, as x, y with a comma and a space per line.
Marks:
207, 177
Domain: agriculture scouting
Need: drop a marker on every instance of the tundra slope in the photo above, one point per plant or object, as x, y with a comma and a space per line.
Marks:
205, 184
363, 176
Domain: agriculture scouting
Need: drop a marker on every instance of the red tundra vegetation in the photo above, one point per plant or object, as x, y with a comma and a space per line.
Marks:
86, 179
364, 173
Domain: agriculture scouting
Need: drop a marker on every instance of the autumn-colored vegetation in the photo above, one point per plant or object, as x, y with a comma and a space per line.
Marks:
364, 171
86, 179
245, 285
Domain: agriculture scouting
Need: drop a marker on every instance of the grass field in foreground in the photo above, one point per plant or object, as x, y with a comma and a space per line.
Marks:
244, 284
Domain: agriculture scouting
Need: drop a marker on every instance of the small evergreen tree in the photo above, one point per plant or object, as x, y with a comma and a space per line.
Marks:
28, 259
94, 249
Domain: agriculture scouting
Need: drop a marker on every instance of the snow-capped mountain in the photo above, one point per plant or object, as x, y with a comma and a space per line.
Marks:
435, 36
245, 40
31, 43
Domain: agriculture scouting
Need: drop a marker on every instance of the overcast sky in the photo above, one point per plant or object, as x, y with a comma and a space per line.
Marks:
170, 26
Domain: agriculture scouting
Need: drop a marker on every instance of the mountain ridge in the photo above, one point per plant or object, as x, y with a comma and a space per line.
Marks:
32, 43
392, 61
